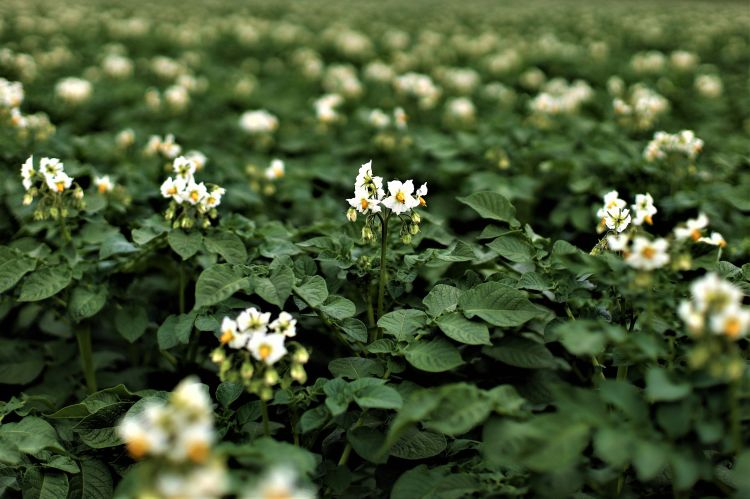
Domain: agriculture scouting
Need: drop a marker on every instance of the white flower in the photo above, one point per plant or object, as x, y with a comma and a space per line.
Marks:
378, 119
184, 167
198, 158
363, 202
278, 483
648, 255
194, 443
400, 199
618, 242
228, 331
28, 173
73, 90
693, 319
173, 188
617, 219
421, 193
192, 396
194, 192
366, 180
141, 435
400, 118
693, 228
50, 167
256, 122
285, 324
732, 322
644, 209
268, 348
59, 182
712, 293
275, 170
716, 239
253, 321
103, 184
213, 198
611, 200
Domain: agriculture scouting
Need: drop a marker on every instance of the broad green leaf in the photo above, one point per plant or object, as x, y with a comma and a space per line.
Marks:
30, 435
116, 244
277, 287
44, 485
403, 323
433, 356
185, 244
98, 429
521, 352
13, 266
491, 205
19, 362
464, 407
458, 328
228, 245
512, 247
378, 397
86, 302
313, 291
228, 392
313, 419
498, 304
416, 444
218, 283
338, 307
355, 367
131, 322
659, 386
354, 329
45, 283
338, 395
93, 482
441, 299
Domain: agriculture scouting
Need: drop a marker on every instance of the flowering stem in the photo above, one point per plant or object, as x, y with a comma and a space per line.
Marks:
266, 422
381, 282
83, 335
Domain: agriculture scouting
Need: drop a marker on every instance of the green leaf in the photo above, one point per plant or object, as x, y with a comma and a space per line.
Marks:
433, 356
416, 444
185, 244
465, 406
520, 352
458, 328
228, 392
403, 323
276, 288
98, 429
498, 304
131, 322
354, 329
116, 244
338, 395
31, 435
47, 485
313, 419
93, 482
338, 307
355, 367
378, 397
13, 266
45, 283
491, 205
19, 363
313, 291
513, 248
660, 388
86, 302
218, 283
228, 245
441, 299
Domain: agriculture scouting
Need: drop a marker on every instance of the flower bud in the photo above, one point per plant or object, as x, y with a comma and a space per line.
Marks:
266, 393
54, 213
413, 229
298, 373
27, 199
247, 370
351, 215
186, 223
406, 238
169, 214
415, 217
367, 234
271, 377
301, 356
64, 212
78, 193
206, 223
218, 356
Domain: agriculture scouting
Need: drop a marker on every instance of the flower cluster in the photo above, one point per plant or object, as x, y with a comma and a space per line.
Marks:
165, 147
693, 230
560, 97
326, 108
57, 190
370, 198
259, 122
642, 254
614, 215
665, 145
641, 109
196, 201
11, 98
256, 347
278, 483
177, 436
262, 180
73, 90
419, 86
380, 120
716, 305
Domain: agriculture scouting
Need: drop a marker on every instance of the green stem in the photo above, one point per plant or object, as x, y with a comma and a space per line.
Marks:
348, 448
594, 361
266, 421
64, 231
83, 335
370, 310
381, 281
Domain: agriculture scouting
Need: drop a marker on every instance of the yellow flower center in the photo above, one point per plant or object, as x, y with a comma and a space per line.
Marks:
197, 451
363, 202
732, 327
226, 337
172, 191
648, 252
648, 220
264, 351
422, 202
695, 234
60, 186
138, 447
102, 188
400, 197
277, 493
194, 195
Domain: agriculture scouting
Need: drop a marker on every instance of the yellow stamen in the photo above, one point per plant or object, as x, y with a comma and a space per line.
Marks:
363, 202
649, 220
138, 447
422, 202
60, 186
732, 327
194, 195
198, 451
648, 252
226, 337
172, 191
102, 188
400, 197
695, 234
264, 351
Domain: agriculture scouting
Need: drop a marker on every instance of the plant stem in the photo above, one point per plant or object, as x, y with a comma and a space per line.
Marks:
381, 281
64, 231
266, 421
348, 449
594, 361
83, 335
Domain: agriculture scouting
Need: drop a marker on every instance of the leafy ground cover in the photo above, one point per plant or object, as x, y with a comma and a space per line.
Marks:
349, 249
